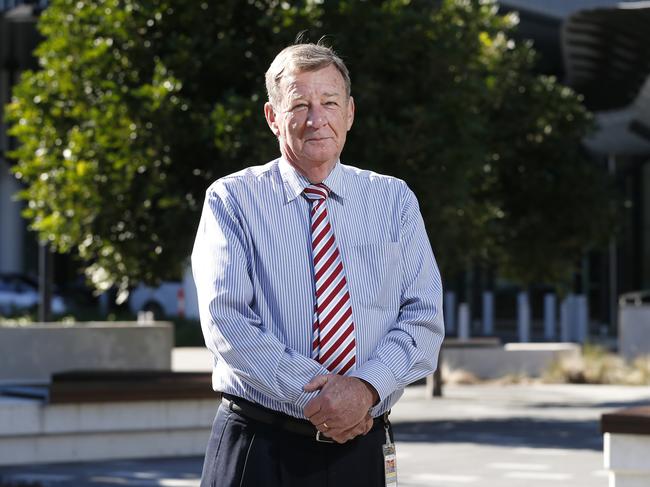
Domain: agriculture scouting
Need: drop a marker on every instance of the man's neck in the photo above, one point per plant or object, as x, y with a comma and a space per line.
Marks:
315, 173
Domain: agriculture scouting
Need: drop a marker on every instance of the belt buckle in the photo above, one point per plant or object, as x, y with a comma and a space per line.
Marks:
322, 438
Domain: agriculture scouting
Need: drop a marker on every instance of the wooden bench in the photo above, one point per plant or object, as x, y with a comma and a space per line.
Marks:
117, 386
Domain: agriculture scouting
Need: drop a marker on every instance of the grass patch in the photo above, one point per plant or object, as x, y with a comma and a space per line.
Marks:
458, 376
596, 365
78, 315
187, 332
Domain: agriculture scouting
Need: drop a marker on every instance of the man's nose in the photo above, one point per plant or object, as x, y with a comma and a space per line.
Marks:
316, 118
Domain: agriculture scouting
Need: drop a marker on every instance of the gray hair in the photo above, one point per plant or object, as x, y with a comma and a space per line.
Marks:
300, 58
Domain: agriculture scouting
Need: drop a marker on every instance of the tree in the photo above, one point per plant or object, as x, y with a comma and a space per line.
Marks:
140, 104
492, 150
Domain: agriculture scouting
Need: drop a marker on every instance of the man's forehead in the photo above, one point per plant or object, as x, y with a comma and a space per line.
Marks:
300, 92
326, 81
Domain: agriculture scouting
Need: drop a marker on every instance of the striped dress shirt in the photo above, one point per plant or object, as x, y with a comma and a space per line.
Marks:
253, 271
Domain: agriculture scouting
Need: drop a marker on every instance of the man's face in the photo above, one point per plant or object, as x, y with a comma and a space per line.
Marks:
312, 119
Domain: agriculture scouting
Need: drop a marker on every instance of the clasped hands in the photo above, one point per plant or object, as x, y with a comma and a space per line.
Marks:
341, 409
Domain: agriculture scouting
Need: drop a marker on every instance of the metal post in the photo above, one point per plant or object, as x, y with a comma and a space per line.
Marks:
613, 263
434, 381
45, 275
103, 304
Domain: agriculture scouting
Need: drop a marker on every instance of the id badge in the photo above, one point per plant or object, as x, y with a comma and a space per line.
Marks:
390, 461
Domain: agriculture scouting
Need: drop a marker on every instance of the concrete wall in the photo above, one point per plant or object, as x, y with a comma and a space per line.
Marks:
490, 362
32, 432
33, 352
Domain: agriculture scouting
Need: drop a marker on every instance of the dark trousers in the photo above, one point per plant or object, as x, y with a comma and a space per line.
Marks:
245, 453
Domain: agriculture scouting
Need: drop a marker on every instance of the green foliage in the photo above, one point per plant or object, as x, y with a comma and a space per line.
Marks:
137, 107
140, 104
447, 101
187, 333
554, 201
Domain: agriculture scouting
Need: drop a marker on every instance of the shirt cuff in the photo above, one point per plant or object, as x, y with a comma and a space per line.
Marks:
302, 398
379, 376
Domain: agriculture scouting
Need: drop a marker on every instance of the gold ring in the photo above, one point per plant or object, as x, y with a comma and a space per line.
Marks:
325, 425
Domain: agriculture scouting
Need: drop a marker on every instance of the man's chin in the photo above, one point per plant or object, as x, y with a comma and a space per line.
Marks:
322, 158
321, 152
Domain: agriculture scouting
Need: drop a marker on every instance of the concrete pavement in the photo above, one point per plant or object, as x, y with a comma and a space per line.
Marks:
508, 436
478, 436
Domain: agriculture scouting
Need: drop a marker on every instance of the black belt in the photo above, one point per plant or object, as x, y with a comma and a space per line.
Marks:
301, 427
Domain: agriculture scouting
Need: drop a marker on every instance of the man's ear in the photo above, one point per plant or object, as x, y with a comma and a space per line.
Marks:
350, 114
269, 114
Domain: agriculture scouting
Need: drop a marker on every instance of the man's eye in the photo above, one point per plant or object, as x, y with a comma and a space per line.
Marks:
299, 106
331, 104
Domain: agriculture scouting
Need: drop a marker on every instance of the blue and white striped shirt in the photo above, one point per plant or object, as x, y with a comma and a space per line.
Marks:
253, 271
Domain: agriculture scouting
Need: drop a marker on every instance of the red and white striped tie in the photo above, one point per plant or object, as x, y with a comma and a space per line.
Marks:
333, 332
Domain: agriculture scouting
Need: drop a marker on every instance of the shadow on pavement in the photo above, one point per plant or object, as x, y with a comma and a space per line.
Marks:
152, 472
511, 432
590, 405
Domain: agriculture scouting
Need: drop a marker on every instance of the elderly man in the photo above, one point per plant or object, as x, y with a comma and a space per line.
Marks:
319, 296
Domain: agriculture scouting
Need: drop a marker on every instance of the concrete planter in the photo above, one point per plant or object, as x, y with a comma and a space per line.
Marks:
627, 446
487, 359
32, 432
33, 352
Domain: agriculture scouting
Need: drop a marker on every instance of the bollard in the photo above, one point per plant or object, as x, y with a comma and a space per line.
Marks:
565, 318
582, 318
523, 316
549, 316
463, 322
488, 313
450, 311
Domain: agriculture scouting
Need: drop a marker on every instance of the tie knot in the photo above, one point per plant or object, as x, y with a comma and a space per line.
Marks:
316, 191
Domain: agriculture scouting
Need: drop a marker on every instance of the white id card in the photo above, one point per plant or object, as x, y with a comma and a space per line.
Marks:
390, 462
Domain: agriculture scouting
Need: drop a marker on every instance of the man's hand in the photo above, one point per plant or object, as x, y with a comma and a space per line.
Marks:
340, 411
361, 428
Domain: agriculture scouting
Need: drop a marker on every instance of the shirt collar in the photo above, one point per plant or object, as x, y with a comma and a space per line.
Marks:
294, 182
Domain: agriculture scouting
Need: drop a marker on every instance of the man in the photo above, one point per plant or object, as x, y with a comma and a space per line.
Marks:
319, 296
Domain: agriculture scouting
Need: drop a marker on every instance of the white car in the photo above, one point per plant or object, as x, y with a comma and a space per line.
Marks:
170, 299
20, 293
